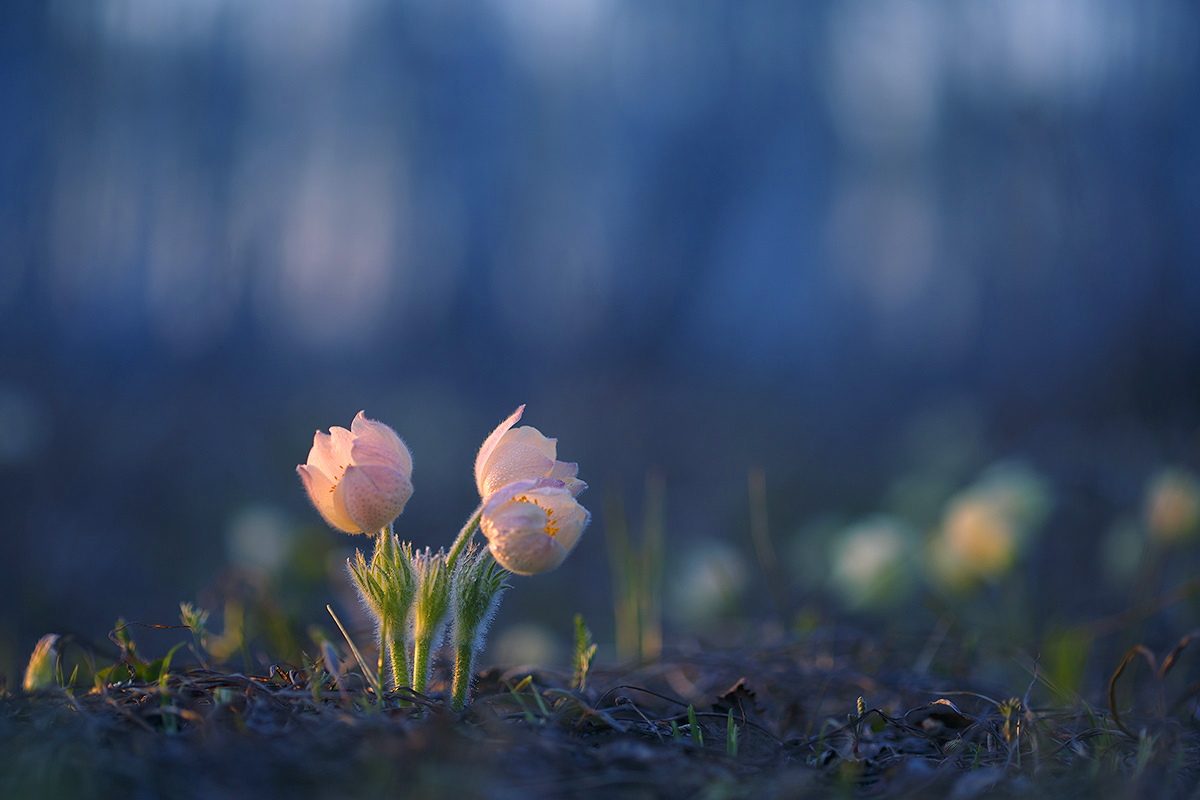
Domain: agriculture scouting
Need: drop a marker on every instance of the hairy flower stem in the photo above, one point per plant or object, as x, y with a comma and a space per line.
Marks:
420, 675
464, 537
399, 661
464, 664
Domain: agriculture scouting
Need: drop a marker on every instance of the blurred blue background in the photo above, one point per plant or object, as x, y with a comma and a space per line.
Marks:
842, 242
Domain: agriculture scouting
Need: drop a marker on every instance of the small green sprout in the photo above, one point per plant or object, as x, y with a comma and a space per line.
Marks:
196, 619
124, 640
585, 651
694, 727
731, 736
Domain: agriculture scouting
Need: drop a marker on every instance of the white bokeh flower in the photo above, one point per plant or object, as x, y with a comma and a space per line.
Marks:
977, 542
989, 526
1172, 508
873, 561
358, 479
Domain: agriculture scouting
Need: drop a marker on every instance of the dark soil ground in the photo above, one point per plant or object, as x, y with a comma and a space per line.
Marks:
800, 732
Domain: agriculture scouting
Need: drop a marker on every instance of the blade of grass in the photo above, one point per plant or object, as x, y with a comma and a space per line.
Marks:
370, 676
650, 578
760, 533
694, 727
516, 693
620, 559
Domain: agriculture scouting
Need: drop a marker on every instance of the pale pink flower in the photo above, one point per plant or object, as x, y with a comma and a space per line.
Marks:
517, 454
358, 479
531, 525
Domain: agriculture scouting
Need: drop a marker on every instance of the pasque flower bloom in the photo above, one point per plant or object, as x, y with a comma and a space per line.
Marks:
358, 479
531, 525
516, 454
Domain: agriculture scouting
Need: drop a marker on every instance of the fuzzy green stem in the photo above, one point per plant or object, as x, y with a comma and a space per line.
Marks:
383, 637
420, 674
399, 661
464, 536
464, 663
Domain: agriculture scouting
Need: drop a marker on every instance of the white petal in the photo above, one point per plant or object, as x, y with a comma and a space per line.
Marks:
513, 462
382, 442
528, 554
506, 493
373, 496
532, 436
489, 444
532, 525
514, 517
324, 496
378, 453
566, 518
331, 451
564, 470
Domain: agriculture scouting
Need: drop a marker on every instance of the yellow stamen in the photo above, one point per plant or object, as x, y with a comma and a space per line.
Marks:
551, 528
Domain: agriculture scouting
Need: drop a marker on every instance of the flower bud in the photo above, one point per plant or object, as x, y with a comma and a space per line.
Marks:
358, 479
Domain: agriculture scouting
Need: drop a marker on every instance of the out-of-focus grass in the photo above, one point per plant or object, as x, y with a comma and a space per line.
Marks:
637, 571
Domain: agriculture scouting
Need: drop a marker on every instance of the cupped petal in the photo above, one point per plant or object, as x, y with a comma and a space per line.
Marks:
321, 454
527, 554
377, 441
532, 525
489, 444
331, 451
517, 538
378, 453
323, 494
533, 437
373, 495
566, 471
514, 462
506, 493
567, 518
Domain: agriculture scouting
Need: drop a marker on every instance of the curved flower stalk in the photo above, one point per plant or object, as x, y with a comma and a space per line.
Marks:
358, 479
532, 525
477, 584
516, 454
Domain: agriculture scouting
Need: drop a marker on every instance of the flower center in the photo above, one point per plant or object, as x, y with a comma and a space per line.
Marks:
551, 528
337, 478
